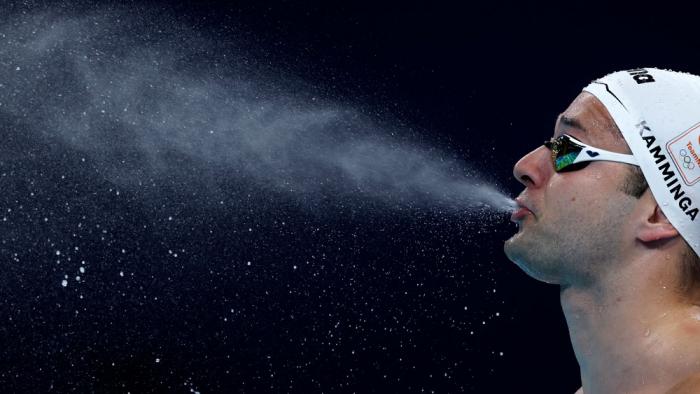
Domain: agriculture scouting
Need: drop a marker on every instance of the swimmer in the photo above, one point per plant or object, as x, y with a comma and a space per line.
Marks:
609, 212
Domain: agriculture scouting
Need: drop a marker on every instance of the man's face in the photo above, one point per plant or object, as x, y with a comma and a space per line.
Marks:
577, 227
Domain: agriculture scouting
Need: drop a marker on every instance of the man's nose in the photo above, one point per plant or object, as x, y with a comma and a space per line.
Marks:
533, 169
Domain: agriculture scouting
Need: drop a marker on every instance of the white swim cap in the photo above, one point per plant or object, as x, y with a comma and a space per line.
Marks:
658, 113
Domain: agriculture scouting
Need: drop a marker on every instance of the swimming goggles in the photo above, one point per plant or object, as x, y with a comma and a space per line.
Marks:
570, 154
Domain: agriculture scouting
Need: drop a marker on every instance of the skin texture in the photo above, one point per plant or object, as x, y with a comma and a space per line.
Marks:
617, 260
690, 385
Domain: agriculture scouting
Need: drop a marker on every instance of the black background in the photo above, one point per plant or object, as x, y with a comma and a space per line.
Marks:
376, 309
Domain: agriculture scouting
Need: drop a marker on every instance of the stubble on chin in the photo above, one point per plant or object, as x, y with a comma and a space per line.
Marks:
535, 254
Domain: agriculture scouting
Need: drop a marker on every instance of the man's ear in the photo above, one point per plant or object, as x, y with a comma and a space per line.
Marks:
655, 227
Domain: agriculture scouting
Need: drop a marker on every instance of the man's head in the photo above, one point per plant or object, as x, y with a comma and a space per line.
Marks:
576, 216
584, 223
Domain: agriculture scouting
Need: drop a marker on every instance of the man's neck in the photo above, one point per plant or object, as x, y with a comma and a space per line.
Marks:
630, 331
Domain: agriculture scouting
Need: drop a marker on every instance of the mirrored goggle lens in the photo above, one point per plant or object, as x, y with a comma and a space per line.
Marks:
564, 153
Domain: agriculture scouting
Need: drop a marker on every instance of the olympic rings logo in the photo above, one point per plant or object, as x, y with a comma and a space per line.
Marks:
687, 160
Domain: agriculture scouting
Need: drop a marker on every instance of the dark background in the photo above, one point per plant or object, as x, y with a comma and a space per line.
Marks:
380, 303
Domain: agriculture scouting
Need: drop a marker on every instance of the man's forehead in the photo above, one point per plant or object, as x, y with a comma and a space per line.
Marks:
587, 114
586, 104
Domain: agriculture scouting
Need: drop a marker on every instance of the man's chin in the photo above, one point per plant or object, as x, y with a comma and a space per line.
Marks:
526, 256
513, 247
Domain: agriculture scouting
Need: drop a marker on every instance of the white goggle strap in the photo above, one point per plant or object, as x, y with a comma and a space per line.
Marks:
595, 154
589, 153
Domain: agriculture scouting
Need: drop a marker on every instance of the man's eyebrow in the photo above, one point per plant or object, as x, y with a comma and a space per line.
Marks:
571, 122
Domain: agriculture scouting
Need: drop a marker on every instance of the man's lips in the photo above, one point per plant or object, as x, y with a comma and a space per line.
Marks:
521, 211
519, 214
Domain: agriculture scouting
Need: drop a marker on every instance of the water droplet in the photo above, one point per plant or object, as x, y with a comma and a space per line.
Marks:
647, 332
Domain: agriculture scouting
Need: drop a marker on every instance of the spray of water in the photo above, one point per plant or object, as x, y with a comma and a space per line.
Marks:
137, 97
